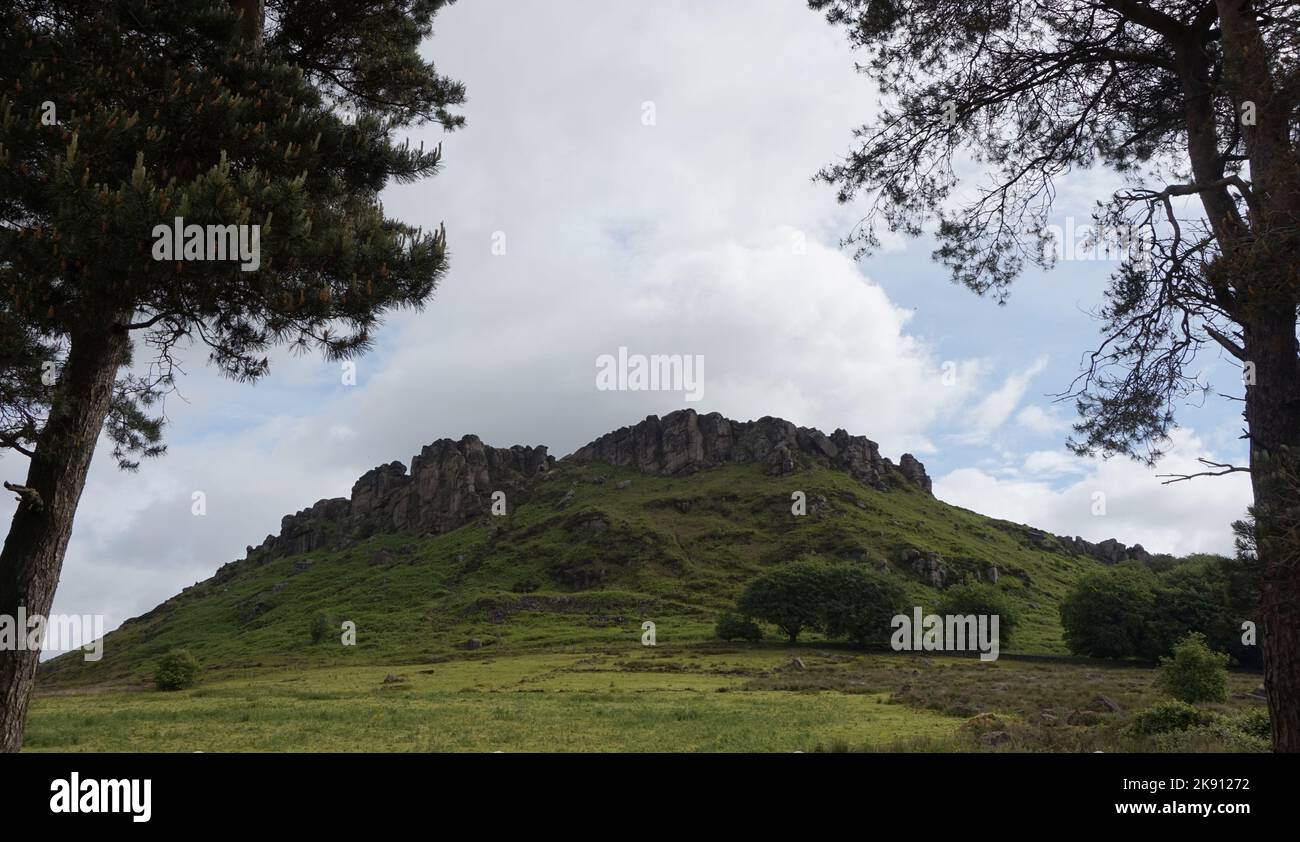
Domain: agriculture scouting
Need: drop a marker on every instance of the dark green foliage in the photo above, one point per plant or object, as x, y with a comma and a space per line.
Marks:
1196, 673
1165, 717
842, 600
791, 597
160, 110
1108, 613
320, 627
177, 670
981, 599
1130, 612
860, 604
734, 627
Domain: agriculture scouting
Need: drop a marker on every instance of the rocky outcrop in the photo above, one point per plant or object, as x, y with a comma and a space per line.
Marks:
914, 471
449, 484
1110, 551
684, 441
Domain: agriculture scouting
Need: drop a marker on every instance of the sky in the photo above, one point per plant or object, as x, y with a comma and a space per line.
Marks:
639, 175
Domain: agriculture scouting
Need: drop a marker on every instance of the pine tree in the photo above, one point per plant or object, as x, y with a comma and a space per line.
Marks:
1195, 104
117, 116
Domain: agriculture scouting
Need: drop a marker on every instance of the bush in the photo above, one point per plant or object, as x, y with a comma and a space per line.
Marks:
735, 627
320, 626
1254, 723
1166, 717
1216, 732
177, 670
859, 604
1196, 673
981, 599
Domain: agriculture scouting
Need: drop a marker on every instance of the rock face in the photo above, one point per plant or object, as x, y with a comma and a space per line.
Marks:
449, 484
1109, 551
683, 442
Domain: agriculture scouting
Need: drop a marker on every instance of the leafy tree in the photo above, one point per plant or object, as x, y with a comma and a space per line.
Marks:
1108, 613
860, 603
220, 113
1213, 595
981, 599
1196, 673
1193, 104
789, 597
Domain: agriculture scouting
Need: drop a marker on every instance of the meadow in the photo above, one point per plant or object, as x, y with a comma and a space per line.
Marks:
635, 699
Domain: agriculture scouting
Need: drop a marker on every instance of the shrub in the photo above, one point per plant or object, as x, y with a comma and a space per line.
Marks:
981, 599
1216, 732
320, 626
177, 670
1255, 723
1166, 717
1196, 673
735, 627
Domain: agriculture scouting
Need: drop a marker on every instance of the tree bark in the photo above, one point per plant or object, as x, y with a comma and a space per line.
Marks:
252, 20
32, 557
1273, 416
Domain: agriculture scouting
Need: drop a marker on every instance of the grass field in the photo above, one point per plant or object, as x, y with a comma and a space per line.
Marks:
627, 699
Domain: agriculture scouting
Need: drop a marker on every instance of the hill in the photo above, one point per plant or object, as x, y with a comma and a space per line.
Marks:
509, 549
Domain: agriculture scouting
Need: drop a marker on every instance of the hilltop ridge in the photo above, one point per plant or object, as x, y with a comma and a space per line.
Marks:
666, 519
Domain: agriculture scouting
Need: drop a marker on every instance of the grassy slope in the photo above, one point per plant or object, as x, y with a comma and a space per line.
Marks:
672, 550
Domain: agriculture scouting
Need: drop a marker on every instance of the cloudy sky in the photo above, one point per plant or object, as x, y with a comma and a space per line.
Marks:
698, 231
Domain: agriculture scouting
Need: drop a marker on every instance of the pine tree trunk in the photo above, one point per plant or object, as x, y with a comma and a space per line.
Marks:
32, 557
1273, 416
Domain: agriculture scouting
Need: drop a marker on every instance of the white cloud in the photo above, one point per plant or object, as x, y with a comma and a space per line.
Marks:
1180, 518
994, 410
1038, 420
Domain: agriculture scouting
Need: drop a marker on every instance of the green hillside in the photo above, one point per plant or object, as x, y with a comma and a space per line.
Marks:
581, 571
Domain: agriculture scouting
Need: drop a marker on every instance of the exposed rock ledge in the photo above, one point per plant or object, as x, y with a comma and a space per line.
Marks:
683, 442
451, 482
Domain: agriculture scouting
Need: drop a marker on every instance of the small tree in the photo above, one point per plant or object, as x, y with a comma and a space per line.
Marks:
735, 627
859, 603
981, 599
1107, 614
789, 597
177, 670
320, 626
1196, 673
